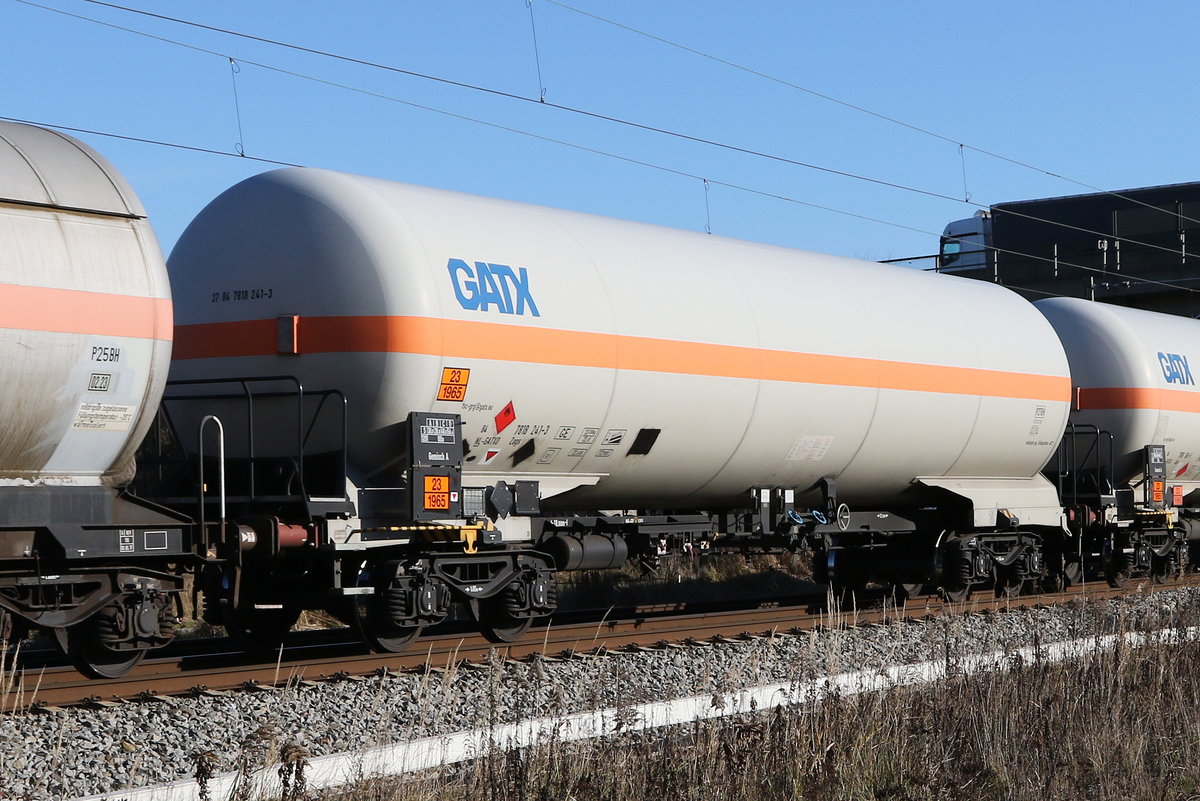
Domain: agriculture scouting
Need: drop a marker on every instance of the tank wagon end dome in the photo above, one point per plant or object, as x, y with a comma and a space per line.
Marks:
85, 313
47, 168
1134, 374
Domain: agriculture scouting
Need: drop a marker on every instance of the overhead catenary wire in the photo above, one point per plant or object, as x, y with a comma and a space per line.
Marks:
707, 209
463, 85
234, 69
537, 58
617, 120
570, 109
141, 140
670, 170
853, 106
510, 129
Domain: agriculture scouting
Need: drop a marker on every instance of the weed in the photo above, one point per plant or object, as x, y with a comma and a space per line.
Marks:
1121, 723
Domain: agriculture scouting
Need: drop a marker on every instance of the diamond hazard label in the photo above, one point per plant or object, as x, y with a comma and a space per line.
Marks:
489, 456
505, 417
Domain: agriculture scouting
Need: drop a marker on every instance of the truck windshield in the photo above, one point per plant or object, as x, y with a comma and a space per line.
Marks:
950, 251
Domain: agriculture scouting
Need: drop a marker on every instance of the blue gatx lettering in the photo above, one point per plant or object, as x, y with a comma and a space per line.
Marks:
1175, 368
485, 285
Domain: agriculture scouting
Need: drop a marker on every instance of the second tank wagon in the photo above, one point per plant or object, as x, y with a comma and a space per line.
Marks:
618, 364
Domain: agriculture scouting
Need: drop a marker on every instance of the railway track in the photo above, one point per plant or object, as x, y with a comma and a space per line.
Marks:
41, 682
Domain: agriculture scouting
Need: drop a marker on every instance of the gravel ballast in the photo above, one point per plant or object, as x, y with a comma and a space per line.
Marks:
79, 752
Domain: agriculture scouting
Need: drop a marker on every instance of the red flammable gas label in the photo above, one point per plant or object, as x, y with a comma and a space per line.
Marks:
505, 417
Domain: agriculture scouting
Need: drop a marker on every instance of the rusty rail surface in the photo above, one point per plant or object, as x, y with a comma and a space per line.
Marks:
215, 666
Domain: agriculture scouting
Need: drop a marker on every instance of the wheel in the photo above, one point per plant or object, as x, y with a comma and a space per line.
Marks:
902, 592
846, 595
380, 633
1008, 584
1073, 571
957, 571
369, 614
258, 630
1118, 567
957, 593
1163, 568
91, 656
13, 629
1068, 575
500, 625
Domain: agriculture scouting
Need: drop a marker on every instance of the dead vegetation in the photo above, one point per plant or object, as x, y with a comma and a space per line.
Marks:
1121, 724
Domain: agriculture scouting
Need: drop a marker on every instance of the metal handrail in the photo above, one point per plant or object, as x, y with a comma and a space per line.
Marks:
241, 388
220, 466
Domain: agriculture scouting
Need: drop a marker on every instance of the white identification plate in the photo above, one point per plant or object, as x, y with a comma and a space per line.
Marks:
103, 417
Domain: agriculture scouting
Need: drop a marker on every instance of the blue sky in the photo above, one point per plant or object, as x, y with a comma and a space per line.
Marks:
1104, 93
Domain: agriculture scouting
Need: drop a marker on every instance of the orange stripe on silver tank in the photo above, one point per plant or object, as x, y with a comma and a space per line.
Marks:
71, 311
496, 341
1167, 400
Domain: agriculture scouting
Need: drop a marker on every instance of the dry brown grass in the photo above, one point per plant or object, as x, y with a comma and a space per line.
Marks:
687, 578
1115, 724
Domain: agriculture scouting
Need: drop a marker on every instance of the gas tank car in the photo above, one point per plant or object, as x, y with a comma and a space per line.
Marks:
621, 365
85, 333
85, 345
1134, 376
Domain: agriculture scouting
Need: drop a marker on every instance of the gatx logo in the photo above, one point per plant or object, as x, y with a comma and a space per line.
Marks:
484, 285
1175, 368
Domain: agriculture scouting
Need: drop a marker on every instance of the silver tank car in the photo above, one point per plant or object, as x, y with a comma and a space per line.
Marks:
621, 365
85, 345
1134, 374
85, 313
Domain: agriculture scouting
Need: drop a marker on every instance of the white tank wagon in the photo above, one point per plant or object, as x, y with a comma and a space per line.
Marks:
619, 364
86, 326
85, 343
725, 385
1132, 452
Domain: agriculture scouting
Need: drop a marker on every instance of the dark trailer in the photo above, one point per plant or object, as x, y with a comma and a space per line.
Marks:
1118, 247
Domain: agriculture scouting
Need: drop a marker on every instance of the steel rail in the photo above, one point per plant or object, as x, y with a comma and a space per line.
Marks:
215, 666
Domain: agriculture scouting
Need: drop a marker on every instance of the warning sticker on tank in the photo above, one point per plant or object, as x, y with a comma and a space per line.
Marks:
454, 384
588, 436
103, 417
614, 436
490, 456
809, 449
505, 417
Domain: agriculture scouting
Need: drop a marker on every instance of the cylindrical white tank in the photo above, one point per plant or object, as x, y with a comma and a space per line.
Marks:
1134, 374
85, 313
672, 369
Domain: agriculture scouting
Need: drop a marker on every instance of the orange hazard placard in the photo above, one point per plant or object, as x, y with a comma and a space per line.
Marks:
437, 492
454, 384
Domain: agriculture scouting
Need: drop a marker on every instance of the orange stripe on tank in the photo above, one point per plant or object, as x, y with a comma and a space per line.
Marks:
496, 341
72, 311
1167, 400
